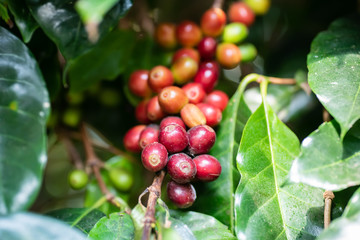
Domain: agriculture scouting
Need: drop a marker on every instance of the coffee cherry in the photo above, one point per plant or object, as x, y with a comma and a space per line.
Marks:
182, 195
149, 135
174, 138
207, 48
121, 179
160, 77
154, 157
188, 34
184, 69
212, 114
201, 139
194, 91
154, 111
132, 137
259, 7
235, 33
248, 52
228, 55
218, 99
181, 168
207, 77
172, 99
210, 65
186, 52
78, 179
72, 116
192, 116
213, 22
165, 35
242, 13
172, 120
138, 83
208, 168
140, 112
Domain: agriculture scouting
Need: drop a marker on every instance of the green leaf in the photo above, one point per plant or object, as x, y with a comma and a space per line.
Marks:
22, 226
23, 18
265, 210
71, 215
203, 226
24, 109
334, 69
326, 162
347, 226
222, 190
118, 226
4, 13
62, 24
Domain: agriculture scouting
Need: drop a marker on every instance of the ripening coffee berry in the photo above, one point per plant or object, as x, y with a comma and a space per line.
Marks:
181, 168
207, 77
184, 69
172, 120
259, 7
160, 77
153, 110
154, 157
210, 65
78, 179
174, 138
188, 34
201, 139
248, 52
186, 52
207, 48
140, 112
208, 168
242, 13
192, 115
194, 91
212, 114
149, 135
228, 55
182, 195
138, 83
235, 33
213, 22
172, 99
132, 137
218, 99
165, 35
121, 179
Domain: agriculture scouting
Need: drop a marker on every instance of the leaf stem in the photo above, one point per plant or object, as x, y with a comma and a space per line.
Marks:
283, 81
328, 196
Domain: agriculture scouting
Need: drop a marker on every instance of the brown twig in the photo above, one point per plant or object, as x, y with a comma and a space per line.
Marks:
328, 196
154, 194
285, 81
218, 3
72, 152
326, 116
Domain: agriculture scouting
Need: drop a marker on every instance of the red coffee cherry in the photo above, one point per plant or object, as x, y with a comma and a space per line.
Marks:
154, 111
188, 34
149, 135
160, 77
210, 65
195, 92
218, 99
228, 55
140, 112
186, 52
172, 120
154, 157
201, 139
192, 116
181, 168
165, 35
138, 83
208, 168
184, 69
174, 138
242, 13
207, 77
172, 99
212, 114
207, 48
132, 137
213, 22
182, 195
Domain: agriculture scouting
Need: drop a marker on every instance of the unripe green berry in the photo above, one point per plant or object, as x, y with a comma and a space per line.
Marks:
235, 33
121, 179
248, 52
78, 179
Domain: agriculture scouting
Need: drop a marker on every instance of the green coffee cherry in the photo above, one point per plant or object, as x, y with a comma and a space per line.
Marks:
71, 117
248, 52
121, 179
78, 179
235, 33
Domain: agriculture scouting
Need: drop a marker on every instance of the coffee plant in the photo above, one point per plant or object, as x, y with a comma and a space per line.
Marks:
172, 120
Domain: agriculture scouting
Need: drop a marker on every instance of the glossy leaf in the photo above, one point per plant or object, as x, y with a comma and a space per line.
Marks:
22, 226
326, 162
24, 102
203, 226
334, 68
118, 226
347, 226
72, 215
265, 210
